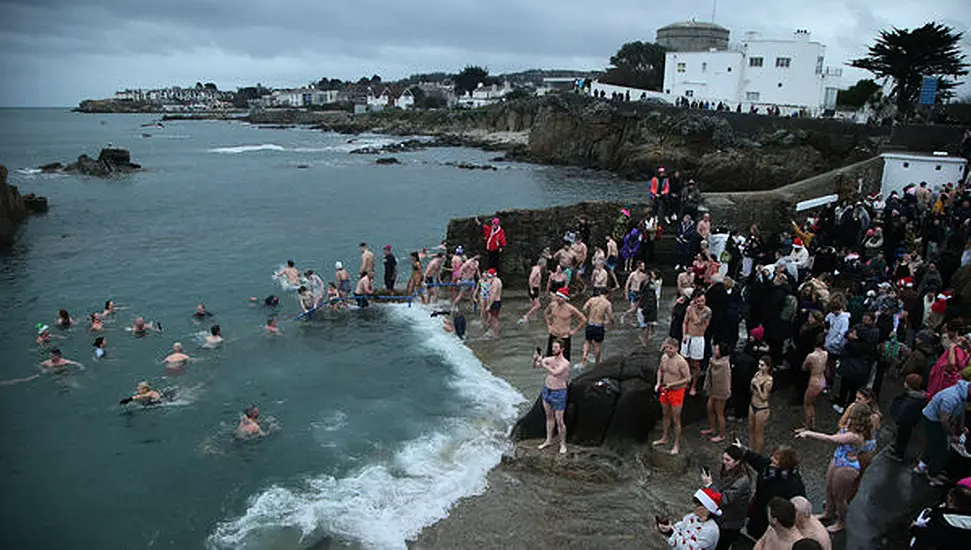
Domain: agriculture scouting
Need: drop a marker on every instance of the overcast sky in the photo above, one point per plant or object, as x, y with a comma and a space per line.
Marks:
57, 52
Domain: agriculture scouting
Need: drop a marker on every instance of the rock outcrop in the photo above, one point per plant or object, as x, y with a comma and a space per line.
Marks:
14, 208
111, 161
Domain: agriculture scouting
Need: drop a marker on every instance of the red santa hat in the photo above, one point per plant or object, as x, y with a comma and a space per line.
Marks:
563, 293
906, 282
797, 242
940, 305
492, 271
710, 499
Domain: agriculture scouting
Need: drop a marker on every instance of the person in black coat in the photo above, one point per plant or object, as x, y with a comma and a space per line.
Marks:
946, 525
778, 477
744, 365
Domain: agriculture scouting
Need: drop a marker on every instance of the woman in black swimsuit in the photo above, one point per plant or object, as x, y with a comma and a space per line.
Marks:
759, 406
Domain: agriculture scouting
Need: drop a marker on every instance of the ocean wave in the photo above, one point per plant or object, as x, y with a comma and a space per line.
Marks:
29, 171
383, 505
247, 149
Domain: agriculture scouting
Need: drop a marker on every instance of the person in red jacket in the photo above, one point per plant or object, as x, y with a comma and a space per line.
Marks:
495, 241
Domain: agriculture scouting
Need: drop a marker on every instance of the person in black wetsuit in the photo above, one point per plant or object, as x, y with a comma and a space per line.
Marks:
390, 268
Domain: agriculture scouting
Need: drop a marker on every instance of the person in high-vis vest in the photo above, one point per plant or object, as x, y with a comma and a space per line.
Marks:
661, 192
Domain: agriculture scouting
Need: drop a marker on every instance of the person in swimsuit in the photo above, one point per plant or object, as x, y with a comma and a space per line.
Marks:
612, 257
363, 289
815, 363
599, 312
633, 285
57, 363
176, 358
141, 327
109, 308
308, 302
316, 285
493, 304
64, 319
343, 280
96, 324
844, 468
535, 282
43, 334
554, 393
433, 275
696, 320
334, 296
559, 317
290, 272
599, 276
759, 405
414, 281
248, 427
144, 395
270, 328
673, 376
865, 398
718, 386
99, 347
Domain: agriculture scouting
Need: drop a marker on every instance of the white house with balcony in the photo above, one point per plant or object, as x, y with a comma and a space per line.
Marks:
484, 95
788, 74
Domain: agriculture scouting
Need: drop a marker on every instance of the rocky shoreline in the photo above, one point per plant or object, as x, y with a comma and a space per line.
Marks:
14, 208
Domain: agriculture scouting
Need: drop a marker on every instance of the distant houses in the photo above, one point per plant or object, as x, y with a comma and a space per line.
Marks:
175, 98
390, 97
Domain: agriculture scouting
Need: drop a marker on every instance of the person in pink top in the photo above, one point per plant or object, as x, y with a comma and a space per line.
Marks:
947, 370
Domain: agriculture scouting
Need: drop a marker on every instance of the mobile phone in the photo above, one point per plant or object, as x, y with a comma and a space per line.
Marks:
539, 350
705, 471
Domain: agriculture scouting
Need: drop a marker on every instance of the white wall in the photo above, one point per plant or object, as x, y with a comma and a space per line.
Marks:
900, 169
707, 76
635, 93
801, 84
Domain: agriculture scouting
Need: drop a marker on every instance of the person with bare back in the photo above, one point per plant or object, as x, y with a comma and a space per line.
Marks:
815, 363
633, 287
559, 320
613, 254
599, 313
696, 320
673, 376
554, 391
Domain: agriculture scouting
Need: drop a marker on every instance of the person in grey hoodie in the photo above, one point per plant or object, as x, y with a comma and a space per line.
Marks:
735, 483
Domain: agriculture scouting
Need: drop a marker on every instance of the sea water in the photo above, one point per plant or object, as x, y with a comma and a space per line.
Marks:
383, 421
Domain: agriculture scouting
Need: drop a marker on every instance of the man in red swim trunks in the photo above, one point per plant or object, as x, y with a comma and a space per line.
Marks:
673, 375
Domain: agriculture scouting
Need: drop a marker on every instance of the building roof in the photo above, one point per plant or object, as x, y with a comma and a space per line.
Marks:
926, 157
693, 25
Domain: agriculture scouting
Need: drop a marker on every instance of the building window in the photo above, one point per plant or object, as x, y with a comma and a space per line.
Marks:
729, 69
689, 93
780, 84
782, 62
755, 62
906, 165
938, 167
681, 67
819, 65
751, 96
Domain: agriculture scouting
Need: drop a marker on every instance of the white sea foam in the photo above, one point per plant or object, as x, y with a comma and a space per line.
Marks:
29, 171
382, 505
247, 149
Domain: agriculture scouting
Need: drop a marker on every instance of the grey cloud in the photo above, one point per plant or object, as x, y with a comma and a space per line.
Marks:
105, 42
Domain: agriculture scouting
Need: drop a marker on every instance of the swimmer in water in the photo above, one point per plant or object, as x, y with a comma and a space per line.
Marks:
144, 395
307, 300
201, 312
57, 362
343, 280
290, 272
96, 324
176, 357
64, 319
317, 285
43, 334
333, 296
141, 327
248, 427
271, 327
215, 337
109, 308
99, 347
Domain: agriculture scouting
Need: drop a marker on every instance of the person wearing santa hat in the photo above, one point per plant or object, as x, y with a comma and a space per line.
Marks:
697, 530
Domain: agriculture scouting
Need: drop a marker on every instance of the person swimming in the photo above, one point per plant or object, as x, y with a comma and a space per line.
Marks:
96, 324
215, 337
144, 395
141, 327
270, 327
109, 308
248, 427
57, 363
43, 334
290, 272
64, 319
201, 312
99, 347
176, 358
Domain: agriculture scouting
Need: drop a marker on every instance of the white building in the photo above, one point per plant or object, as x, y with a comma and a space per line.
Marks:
902, 169
390, 97
484, 95
789, 74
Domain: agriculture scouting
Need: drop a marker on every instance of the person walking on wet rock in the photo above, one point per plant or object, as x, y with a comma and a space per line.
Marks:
495, 241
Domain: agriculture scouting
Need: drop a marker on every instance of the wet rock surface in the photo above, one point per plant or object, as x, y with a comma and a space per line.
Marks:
110, 162
14, 208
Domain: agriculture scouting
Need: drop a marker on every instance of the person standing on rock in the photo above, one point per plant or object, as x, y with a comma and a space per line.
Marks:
367, 259
495, 241
433, 277
599, 312
343, 280
390, 269
559, 316
612, 256
493, 303
535, 283
696, 320
554, 391
673, 376
633, 287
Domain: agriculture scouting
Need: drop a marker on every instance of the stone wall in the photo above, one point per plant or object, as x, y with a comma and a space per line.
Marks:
12, 209
924, 138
